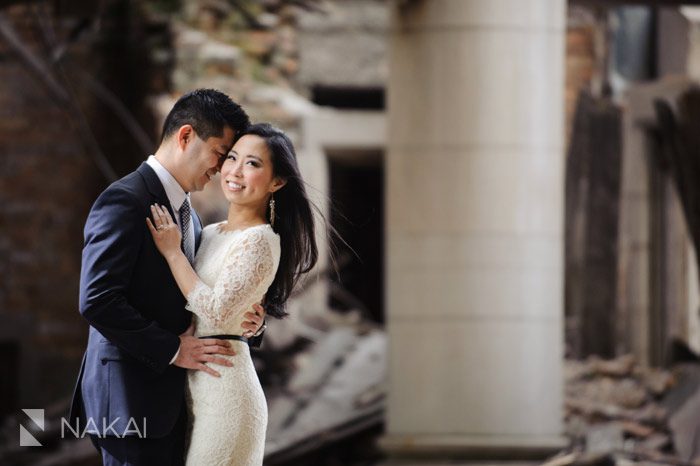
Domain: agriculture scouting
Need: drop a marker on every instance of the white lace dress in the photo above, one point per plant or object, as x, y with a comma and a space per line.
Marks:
228, 415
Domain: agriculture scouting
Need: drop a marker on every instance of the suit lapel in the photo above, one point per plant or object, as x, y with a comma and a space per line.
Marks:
197, 230
155, 187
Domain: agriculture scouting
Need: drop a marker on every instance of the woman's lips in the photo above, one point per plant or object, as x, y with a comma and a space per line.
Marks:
233, 186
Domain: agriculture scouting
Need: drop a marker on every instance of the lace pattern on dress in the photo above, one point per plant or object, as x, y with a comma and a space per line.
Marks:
248, 263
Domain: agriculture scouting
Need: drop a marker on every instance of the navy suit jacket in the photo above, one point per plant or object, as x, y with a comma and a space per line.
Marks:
135, 311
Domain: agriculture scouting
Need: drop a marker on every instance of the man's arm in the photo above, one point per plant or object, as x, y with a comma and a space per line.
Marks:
113, 239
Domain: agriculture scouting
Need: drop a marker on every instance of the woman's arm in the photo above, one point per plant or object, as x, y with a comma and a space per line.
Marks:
247, 271
244, 269
167, 236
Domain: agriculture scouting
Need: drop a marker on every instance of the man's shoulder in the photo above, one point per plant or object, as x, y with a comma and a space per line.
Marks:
131, 186
133, 182
123, 203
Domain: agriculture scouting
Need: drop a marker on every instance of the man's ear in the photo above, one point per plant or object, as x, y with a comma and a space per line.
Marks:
277, 183
185, 135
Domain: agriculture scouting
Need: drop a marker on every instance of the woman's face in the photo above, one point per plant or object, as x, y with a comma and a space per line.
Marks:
247, 176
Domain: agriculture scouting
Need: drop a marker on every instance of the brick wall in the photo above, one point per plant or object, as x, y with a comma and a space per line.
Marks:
48, 182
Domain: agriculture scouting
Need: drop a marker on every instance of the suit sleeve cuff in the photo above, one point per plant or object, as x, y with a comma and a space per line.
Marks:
177, 353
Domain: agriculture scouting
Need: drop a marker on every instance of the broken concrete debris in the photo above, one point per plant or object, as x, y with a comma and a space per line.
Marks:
618, 412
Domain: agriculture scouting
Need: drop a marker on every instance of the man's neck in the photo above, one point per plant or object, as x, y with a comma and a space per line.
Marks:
166, 160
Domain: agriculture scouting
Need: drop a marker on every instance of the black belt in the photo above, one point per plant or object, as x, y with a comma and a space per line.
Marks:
228, 337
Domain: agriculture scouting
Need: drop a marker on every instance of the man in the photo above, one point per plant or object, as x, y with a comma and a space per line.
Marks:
132, 380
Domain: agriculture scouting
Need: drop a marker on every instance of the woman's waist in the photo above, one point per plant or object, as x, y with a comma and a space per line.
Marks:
228, 325
223, 336
239, 343
241, 372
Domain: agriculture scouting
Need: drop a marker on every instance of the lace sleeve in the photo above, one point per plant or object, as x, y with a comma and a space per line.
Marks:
246, 266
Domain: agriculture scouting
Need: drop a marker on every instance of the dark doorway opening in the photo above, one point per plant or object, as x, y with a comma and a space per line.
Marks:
348, 97
357, 194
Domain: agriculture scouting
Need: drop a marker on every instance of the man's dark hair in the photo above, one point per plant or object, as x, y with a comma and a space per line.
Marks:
208, 111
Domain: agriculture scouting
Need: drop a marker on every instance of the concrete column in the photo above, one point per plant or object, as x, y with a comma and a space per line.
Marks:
692, 14
475, 195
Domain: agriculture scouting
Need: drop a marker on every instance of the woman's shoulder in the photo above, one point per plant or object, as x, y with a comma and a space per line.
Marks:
259, 240
261, 235
255, 233
259, 232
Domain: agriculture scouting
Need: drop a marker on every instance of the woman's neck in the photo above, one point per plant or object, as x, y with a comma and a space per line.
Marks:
243, 218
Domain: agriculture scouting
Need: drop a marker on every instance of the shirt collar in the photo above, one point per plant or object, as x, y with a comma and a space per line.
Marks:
176, 195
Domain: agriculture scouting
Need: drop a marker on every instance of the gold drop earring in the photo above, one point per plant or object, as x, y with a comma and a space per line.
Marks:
272, 209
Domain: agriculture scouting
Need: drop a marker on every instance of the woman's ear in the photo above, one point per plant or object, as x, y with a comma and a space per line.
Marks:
277, 183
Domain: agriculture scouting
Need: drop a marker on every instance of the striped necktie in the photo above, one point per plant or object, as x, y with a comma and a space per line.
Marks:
187, 240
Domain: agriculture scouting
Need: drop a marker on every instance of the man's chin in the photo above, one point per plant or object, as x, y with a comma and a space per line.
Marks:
200, 186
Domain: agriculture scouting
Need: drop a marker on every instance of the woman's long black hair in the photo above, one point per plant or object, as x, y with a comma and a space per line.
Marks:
294, 219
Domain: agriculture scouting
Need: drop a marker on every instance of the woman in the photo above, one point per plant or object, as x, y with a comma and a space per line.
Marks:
240, 261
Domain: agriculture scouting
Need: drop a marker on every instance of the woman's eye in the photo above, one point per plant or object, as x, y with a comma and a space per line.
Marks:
255, 164
230, 157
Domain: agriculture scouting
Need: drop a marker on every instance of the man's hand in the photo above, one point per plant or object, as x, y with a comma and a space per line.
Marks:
254, 320
195, 352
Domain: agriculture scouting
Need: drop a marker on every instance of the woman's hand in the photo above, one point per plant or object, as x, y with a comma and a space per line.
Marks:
166, 234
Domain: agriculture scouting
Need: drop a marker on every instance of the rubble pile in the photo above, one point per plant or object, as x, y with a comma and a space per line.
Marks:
318, 400
618, 412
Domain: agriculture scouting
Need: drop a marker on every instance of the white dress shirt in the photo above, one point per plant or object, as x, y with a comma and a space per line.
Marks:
176, 196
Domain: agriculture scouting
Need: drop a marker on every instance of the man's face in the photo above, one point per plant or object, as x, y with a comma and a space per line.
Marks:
202, 159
